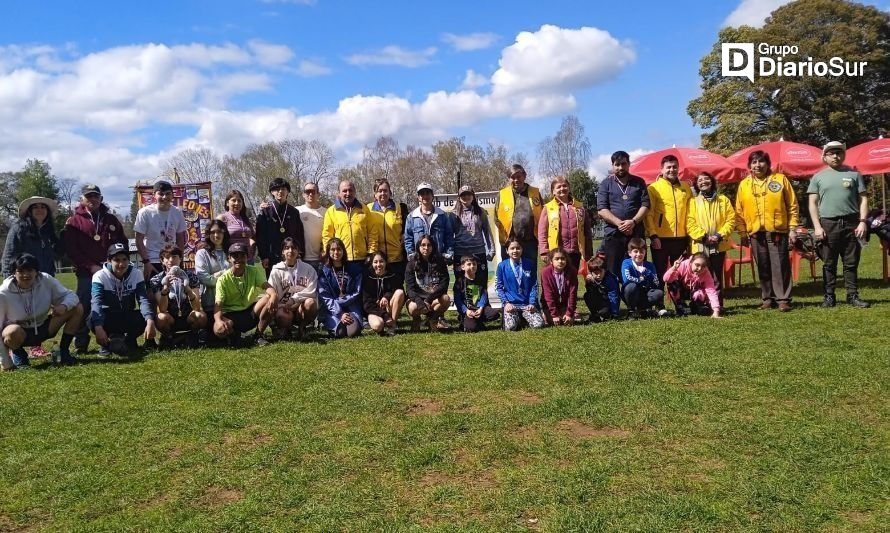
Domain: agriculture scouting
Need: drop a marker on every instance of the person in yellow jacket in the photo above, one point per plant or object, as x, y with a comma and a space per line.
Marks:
666, 219
387, 221
710, 220
766, 217
565, 224
347, 220
517, 210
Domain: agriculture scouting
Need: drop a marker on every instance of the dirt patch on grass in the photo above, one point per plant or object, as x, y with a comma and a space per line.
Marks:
174, 453
579, 430
219, 496
529, 398
526, 433
157, 501
425, 406
857, 518
8, 524
249, 438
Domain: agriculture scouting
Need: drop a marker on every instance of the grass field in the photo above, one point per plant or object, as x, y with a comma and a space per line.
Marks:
761, 421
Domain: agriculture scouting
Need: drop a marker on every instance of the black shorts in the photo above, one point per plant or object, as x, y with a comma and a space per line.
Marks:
244, 320
180, 323
32, 338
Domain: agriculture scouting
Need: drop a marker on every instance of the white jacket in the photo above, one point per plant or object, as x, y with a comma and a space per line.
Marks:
294, 284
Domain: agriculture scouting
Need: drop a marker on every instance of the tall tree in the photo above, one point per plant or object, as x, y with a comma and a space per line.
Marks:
36, 179
68, 193
252, 171
566, 151
309, 161
808, 109
583, 188
195, 165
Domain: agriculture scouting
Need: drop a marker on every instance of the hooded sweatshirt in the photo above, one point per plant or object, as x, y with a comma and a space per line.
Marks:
294, 284
113, 295
29, 308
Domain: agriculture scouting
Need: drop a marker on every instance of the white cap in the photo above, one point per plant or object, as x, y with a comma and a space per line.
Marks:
425, 185
834, 145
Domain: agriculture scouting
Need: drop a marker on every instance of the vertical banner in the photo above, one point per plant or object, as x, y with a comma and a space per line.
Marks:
194, 199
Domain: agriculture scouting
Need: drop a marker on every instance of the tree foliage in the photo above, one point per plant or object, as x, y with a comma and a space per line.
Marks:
808, 109
566, 151
583, 188
36, 179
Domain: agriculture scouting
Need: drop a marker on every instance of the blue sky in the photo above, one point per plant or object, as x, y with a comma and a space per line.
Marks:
107, 91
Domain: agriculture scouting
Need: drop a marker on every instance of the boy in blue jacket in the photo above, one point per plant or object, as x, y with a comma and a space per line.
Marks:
602, 293
427, 219
516, 282
471, 297
641, 285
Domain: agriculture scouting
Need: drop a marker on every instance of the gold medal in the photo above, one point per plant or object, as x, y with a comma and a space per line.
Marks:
97, 238
281, 230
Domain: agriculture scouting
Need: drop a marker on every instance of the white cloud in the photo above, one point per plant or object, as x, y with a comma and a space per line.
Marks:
558, 59
310, 69
473, 80
394, 55
470, 41
601, 164
91, 116
753, 12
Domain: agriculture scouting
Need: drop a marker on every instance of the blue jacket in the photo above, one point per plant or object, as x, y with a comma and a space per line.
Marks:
608, 289
440, 230
333, 305
109, 294
648, 278
509, 290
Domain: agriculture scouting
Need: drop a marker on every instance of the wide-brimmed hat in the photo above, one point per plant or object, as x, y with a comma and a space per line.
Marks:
49, 202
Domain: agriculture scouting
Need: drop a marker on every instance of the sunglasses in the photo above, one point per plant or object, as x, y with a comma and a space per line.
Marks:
310, 191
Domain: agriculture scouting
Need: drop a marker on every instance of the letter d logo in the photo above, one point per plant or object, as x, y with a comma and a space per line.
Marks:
737, 59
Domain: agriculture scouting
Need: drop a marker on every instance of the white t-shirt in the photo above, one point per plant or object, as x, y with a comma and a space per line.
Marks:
312, 223
159, 227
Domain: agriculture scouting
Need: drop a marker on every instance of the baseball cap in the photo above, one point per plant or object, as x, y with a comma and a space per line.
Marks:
465, 188
163, 186
90, 188
117, 248
834, 145
425, 185
238, 248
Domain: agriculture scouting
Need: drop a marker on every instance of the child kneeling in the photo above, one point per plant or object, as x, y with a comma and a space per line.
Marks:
382, 297
601, 292
179, 304
471, 297
516, 283
642, 288
692, 288
559, 283
296, 283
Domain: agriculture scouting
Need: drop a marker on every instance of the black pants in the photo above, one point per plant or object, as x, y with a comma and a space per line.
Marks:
641, 298
840, 241
671, 250
129, 323
598, 306
473, 325
615, 246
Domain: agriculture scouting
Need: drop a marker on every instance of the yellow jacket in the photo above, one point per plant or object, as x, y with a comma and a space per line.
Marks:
504, 211
765, 205
351, 228
667, 208
707, 217
552, 209
389, 228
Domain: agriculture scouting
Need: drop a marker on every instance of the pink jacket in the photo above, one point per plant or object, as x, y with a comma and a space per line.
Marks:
558, 302
700, 285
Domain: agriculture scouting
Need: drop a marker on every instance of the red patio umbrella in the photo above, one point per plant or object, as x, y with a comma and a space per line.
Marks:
872, 157
693, 161
792, 159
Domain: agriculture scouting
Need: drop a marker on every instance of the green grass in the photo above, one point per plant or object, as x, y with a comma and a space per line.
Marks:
761, 421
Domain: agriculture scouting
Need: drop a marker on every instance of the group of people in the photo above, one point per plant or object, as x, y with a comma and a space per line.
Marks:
353, 266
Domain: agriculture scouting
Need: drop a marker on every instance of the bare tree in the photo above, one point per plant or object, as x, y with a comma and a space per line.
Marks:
252, 171
568, 150
68, 192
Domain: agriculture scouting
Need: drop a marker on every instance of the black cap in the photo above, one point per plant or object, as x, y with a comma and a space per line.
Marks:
90, 188
163, 186
117, 248
238, 247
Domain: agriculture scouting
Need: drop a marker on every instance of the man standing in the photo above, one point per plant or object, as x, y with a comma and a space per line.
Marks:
517, 211
839, 206
347, 220
312, 217
158, 225
666, 219
427, 219
387, 221
275, 222
89, 232
622, 202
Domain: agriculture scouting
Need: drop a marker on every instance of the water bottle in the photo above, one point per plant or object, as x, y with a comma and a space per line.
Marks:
56, 354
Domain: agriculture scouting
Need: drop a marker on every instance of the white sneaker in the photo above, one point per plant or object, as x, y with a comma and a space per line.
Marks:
662, 313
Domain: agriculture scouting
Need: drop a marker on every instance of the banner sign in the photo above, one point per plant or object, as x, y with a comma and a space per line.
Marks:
194, 199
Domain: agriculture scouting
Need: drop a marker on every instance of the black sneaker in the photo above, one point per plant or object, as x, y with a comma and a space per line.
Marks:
260, 341
20, 358
150, 344
855, 301
829, 301
166, 343
66, 358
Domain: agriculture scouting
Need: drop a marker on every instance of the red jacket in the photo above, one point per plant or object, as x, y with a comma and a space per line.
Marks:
559, 303
80, 243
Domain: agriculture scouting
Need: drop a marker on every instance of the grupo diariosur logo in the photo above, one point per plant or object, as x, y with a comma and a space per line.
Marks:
738, 59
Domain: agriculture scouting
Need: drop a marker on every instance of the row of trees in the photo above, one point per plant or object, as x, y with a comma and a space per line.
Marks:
300, 161
36, 178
